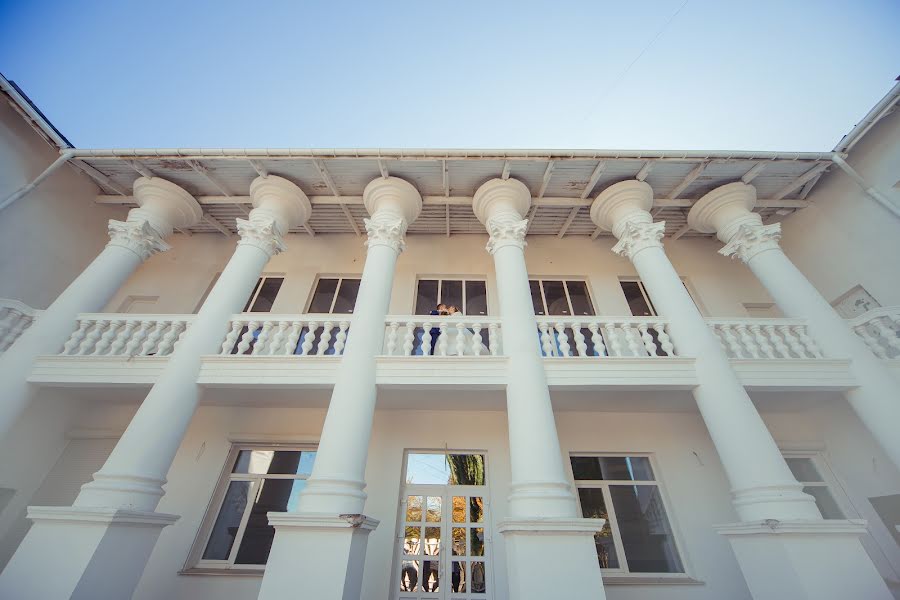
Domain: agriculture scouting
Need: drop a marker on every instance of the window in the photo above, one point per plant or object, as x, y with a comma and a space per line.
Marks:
260, 479
469, 295
639, 300
263, 296
334, 295
438, 468
637, 537
808, 474
555, 297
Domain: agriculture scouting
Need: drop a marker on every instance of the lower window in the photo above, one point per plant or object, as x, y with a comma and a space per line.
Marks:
637, 537
259, 479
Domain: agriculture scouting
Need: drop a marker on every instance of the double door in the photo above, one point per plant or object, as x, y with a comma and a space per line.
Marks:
443, 544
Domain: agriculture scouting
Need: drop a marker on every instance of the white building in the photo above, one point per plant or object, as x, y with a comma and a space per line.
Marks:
620, 411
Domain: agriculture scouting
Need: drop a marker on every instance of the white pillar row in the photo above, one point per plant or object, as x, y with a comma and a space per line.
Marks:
727, 211
100, 545
162, 207
781, 541
546, 541
320, 548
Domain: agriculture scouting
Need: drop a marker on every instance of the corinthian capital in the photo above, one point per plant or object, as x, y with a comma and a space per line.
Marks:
261, 233
386, 232
751, 239
137, 236
506, 232
637, 236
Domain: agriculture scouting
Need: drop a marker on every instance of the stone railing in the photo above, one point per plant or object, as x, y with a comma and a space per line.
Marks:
126, 335
567, 337
15, 318
417, 335
764, 338
259, 334
880, 330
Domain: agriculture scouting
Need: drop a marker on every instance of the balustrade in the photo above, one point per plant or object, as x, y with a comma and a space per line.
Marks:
126, 335
604, 337
880, 330
442, 336
286, 335
764, 338
15, 318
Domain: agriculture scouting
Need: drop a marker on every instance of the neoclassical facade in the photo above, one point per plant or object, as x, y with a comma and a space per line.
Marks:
449, 374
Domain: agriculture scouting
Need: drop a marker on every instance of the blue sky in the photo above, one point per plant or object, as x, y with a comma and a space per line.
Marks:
656, 74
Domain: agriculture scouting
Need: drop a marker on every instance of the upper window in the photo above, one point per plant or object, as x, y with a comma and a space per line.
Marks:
468, 295
261, 479
263, 296
637, 536
334, 295
639, 300
808, 474
556, 297
440, 468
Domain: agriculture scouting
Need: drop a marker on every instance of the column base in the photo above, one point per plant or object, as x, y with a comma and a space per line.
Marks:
805, 560
540, 553
321, 554
82, 553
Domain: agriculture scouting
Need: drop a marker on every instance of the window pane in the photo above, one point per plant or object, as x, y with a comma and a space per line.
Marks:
432, 541
280, 462
431, 576
635, 299
409, 576
451, 293
252, 294
804, 469
628, 468
581, 302
275, 495
444, 469
476, 538
346, 296
476, 509
426, 296
594, 507
557, 304
479, 578
225, 528
466, 469
476, 298
267, 292
646, 535
536, 299
322, 297
825, 501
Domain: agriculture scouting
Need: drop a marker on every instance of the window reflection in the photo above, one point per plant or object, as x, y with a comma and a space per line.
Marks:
445, 469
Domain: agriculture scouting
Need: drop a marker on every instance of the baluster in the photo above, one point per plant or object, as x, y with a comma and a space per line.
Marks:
442, 339
580, 344
807, 341
563, 340
426, 338
665, 342
476, 339
792, 341
649, 344
150, 343
124, 336
734, 344
460, 339
341, 338
870, 340
91, 338
494, 339
546, 340
597, 338
308, 338
717, 331
187, 325
747, 340
633, 346
277, 344
134, 344
324, 339
615, 342
168, 341
247, 338
762, 341
886, 332
290, 346
74, 340
409, 338
231, 337
262, 339
392, 338
781, 350
106, 339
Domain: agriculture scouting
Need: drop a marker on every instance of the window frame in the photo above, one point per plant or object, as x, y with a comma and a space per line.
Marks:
565, 281
254, 295
461, 278
829, 480
195, 562
340, 278
692, 292
622, 571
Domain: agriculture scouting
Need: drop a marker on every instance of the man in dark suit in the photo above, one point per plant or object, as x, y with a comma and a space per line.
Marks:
439, 310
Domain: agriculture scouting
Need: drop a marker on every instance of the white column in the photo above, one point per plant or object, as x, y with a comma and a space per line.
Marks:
162, 207
321, 547
780, 538
546, 540
727, 211
112, 522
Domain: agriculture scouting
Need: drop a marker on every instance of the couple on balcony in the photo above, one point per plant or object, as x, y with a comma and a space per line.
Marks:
450, 337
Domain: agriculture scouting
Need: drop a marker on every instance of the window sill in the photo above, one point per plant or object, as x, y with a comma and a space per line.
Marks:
214, 571
623, 579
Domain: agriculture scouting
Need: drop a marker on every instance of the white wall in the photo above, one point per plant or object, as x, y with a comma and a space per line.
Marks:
48, 237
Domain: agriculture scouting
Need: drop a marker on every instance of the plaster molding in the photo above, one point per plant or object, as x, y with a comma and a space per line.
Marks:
504, 232
386, 231
324, 521
550, 525
103, 515
636, 236
261, 232
795, 527
136, 235
751, 239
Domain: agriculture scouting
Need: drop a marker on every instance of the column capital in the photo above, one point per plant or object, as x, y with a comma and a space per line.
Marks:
506, 232
723, 210
279, 201
136, 235
164, 205
751, 239
261, 232
635, 236
622, 203
386, 231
